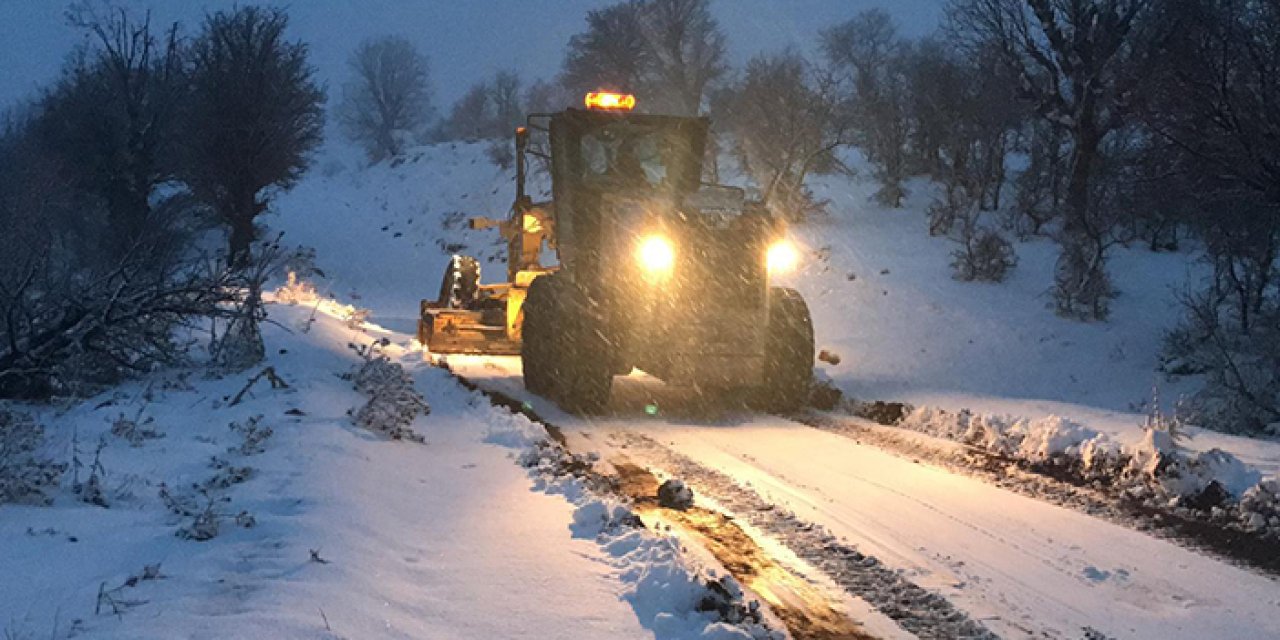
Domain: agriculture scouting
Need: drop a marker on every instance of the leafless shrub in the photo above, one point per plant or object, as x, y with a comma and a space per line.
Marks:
252, 434
783, 118
135, 430
501, 154
239, 345
91, 491
114, 598
393, 403
984, 255
355, 317
1081, 285
1241, 392
226, 476
296, 291
25, 475
946, 211
205, 522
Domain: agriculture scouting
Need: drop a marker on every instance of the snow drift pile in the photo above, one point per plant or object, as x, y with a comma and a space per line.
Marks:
1211, 484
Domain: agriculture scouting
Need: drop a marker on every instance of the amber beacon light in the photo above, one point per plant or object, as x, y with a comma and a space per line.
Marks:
609, 101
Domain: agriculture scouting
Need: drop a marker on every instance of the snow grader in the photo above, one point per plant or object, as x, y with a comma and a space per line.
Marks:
655, 269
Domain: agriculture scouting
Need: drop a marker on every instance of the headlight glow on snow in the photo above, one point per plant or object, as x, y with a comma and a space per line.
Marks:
781, 257
656, 255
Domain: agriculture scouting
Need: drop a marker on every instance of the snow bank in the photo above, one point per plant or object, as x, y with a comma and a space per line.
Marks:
671, 596
1213, 483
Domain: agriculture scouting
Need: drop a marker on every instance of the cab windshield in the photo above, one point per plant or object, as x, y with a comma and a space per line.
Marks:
626, 155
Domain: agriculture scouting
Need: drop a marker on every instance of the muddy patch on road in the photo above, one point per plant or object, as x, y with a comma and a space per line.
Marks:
807, 613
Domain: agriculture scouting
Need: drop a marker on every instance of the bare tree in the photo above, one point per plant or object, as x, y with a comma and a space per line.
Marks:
783, 117
1216, 116
1081, 63
388, 101
611, 54
471, 117
68, 320
869, 60
862, 49
545, 97
109, 120
507, 107
669, 51
964, 119
254, 116
1040, 187
686, 53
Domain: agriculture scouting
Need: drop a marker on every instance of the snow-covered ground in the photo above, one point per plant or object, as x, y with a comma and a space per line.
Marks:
352, 535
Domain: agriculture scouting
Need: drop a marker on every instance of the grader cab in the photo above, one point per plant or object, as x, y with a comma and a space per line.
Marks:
656, 270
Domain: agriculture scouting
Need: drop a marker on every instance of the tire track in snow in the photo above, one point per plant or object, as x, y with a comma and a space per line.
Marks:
985, 532
921, 612
807, 613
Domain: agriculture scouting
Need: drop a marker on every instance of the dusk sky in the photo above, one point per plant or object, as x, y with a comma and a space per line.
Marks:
464, 40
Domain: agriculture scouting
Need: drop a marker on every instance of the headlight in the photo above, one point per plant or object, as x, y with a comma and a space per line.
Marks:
781, 257
656, 255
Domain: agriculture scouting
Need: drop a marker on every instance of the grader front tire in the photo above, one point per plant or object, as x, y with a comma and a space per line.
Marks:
538, 347
789, 349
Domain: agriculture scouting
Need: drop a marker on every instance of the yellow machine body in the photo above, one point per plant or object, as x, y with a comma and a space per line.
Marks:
490, 324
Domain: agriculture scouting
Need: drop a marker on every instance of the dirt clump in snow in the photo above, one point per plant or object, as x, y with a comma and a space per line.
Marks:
807, 613
886, 413
674, 494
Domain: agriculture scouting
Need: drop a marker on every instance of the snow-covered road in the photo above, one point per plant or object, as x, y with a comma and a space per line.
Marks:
1024, 567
